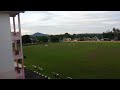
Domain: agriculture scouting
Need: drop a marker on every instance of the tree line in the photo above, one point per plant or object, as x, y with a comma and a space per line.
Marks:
112, 35
108, 35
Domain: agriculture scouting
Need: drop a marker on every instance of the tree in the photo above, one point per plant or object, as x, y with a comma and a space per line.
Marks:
67, 35
54, 38
33, 39
43, 39
26, 39
119, 36
109, 35
114, 30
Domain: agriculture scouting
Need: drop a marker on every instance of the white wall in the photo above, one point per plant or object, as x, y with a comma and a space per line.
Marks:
6, 54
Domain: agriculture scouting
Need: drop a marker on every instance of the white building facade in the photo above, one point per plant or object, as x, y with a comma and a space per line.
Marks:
7, 56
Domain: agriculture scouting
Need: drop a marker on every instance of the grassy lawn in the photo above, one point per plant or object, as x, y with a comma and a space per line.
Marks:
79, 60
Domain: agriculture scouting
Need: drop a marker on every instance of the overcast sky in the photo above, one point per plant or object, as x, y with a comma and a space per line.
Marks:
59, 22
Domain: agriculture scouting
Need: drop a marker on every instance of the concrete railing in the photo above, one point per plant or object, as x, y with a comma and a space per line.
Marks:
15, 36
19, 56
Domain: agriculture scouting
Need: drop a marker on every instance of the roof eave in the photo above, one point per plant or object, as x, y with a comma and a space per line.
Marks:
12, 13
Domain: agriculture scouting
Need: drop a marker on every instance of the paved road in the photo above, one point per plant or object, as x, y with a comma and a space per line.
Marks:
31, 75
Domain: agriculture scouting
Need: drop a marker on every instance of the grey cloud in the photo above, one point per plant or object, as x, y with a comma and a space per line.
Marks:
73, 22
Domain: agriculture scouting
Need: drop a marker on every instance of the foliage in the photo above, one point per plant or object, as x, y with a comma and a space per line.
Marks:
43, 39
26, 39
54, 38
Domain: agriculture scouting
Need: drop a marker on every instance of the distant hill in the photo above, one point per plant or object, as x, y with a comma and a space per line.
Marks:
39, 34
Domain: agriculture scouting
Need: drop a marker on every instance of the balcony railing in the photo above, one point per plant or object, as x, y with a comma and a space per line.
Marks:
18, 70
15, 35
19, 76
17, 54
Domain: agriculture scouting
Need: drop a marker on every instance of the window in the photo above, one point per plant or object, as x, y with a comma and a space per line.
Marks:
18, 41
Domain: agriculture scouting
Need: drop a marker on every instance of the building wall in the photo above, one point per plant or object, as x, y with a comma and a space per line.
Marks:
6, 53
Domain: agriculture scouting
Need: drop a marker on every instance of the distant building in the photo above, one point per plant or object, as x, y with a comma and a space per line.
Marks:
87, 39
76, 39
96, 38
101, 39
104, 39
66, 39
115, 38
34, 40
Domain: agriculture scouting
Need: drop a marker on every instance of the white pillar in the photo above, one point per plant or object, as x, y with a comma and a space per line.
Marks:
19, 26
6, 53
14, 24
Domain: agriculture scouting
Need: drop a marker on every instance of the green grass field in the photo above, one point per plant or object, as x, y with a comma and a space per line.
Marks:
79, 60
